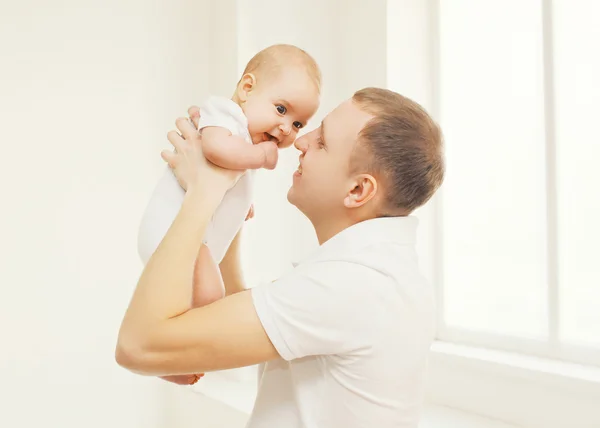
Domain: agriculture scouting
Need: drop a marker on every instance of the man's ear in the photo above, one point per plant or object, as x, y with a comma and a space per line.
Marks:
246, 86
364, 188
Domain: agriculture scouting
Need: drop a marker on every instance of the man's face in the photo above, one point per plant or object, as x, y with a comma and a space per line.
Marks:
323, 178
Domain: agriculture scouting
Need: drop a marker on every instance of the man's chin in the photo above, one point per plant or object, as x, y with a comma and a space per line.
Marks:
292, 196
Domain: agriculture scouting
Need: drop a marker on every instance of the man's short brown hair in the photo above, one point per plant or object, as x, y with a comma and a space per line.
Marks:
402, 147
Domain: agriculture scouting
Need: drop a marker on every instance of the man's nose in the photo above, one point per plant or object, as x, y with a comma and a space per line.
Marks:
301, 144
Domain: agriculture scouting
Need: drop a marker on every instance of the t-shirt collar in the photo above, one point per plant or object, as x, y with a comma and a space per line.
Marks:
398, 230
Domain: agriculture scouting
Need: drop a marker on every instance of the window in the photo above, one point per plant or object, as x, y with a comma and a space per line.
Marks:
577, 98
518, 99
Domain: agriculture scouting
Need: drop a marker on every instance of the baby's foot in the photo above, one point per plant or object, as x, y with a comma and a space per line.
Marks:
183, 379
271, 154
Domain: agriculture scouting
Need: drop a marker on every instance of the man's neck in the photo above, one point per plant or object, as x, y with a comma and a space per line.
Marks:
328, 229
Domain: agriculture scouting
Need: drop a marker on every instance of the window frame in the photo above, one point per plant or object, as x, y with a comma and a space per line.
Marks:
524, 382
552, 348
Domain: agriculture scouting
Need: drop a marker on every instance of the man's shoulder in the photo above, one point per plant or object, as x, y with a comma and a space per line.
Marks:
384, 265
348, 274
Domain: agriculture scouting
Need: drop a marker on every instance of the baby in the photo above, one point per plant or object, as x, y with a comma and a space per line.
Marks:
276, 96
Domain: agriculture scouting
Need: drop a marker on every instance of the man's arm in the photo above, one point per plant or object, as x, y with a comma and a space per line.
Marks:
231, 268
161, 336
223, 335
233, 152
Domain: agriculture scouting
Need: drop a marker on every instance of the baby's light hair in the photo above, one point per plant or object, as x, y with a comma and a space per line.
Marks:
273, 58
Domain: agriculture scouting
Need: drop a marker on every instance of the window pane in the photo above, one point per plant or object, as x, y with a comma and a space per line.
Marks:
494, 205
577, 72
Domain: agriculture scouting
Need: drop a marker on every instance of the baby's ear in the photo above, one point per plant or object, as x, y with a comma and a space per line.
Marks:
246, 85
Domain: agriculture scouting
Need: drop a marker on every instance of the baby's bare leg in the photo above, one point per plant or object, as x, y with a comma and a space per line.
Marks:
207, 287
208, 282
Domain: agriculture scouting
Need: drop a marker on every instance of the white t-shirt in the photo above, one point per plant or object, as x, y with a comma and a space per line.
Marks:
168, 195
353, 326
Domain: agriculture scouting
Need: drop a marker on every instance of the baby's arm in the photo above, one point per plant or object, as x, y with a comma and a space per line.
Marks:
233, 152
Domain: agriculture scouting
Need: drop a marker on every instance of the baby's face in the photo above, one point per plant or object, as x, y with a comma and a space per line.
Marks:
278, 109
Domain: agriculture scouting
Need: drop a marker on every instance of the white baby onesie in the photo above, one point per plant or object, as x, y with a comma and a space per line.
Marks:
168, 195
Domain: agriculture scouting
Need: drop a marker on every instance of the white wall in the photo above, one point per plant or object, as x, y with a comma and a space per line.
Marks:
101, 83
188, 409
88, 90
351, 52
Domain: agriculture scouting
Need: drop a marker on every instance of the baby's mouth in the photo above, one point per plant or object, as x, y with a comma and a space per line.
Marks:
269, 137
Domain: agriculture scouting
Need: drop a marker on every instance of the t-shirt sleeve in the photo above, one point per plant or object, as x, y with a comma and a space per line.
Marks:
317, 311
223, 113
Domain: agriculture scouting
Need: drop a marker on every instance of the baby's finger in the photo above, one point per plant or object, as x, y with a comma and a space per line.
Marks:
194, 114
186, 128
176, 140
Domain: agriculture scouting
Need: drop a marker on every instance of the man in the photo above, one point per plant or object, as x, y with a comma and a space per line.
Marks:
345, 335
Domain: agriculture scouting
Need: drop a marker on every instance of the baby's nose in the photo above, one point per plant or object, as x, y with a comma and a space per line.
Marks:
287, 130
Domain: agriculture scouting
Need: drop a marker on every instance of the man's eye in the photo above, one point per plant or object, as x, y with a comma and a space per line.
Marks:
298, 125
281, 109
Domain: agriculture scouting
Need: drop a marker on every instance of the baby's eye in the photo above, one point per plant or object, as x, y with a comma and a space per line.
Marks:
281, 109
298, 125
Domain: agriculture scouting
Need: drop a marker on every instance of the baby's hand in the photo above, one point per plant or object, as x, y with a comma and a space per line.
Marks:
271, 154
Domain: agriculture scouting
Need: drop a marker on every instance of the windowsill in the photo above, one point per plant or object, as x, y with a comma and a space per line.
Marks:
523, 390
470, 388
240, 396
513, 362
520, 365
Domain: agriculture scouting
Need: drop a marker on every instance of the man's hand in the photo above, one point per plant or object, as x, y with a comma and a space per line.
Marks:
194, 115
188, 162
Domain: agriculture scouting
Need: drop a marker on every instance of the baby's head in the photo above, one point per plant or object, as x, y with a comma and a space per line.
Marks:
279, 92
